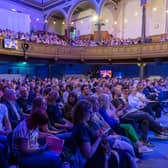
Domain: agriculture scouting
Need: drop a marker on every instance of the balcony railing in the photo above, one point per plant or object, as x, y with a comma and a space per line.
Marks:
149, 50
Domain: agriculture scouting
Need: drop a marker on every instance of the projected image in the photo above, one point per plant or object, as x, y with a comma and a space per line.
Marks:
9, 43
106, 74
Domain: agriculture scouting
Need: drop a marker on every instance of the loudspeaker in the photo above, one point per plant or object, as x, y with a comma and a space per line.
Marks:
25, 46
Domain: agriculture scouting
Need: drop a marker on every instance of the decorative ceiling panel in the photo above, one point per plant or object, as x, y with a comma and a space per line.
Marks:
41, 4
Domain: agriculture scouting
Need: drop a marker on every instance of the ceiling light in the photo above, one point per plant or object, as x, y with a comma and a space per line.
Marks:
154, 9
95, 18
107, 21
115, 22
37, 19
54, 22
136, 14
125, 21
45, 21
14, 10
81, 22
63, 23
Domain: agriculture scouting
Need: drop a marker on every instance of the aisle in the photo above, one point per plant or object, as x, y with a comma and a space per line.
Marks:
159, 157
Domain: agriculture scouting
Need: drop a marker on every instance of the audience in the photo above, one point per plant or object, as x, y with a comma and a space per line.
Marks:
52, 38
65, 108
37, 37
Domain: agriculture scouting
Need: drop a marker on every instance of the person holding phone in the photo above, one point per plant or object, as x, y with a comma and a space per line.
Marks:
26, 146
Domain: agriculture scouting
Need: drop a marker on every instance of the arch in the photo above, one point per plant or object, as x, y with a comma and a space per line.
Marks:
102, 3
55, 10
76, 4
55, 18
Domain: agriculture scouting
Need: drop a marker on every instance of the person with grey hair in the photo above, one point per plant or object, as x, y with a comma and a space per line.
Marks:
14, 111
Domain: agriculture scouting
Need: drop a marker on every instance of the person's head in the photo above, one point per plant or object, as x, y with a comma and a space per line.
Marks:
52, 97
95, 103
133, 91
10, 94
39, 103
72, 98
99, 90
140, 87
85, 90
117, 91
46, 91
69, 88
82, 111
23, 92
104, 100
37, 119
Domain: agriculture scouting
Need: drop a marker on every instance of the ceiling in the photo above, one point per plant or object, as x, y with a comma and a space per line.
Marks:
42, 4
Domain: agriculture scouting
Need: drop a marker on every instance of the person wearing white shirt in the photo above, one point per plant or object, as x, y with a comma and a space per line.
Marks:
138, 101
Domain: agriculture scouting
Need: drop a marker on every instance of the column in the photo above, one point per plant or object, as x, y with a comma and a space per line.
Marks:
166, 17
68, 29
123, 20
45, 23
141, 70
143, 33
99, 31
99, 24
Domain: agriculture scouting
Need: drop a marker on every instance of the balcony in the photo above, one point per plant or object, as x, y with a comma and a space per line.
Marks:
127, 52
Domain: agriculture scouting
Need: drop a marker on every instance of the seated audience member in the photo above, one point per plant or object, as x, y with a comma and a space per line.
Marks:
25, 143
46, 91
150, 106
55, 112
85, 92
23, 101
72, 100
120, 101
90, 144
109, 114
68, 89
137, 101
133, 112
14, 110
40, 102
103, 124
5, 129
150, 92
31, 94
5, 125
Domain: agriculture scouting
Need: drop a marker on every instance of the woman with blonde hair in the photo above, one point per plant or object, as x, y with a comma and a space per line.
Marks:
109, 113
